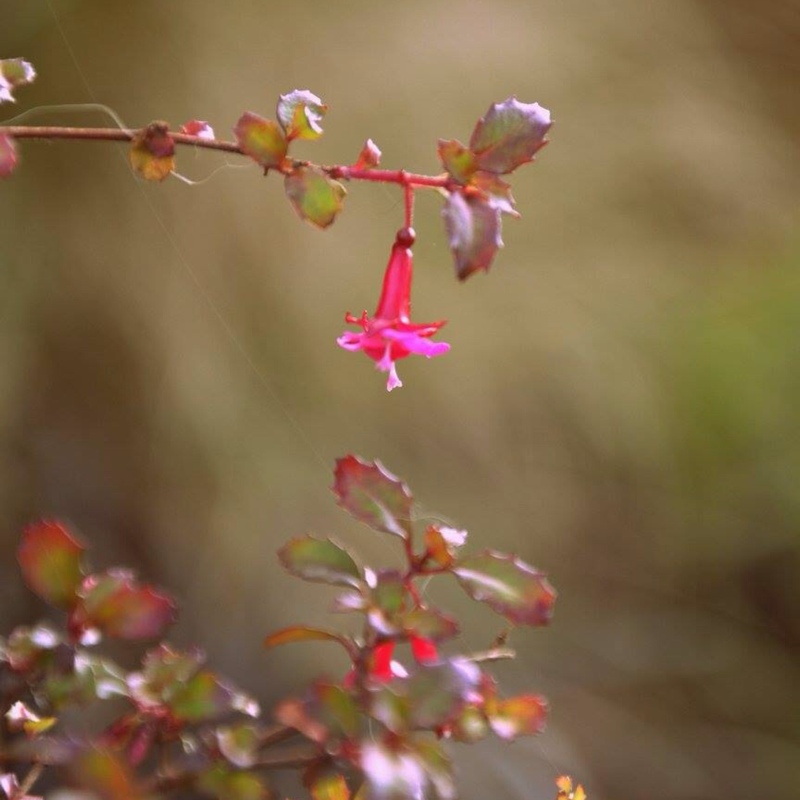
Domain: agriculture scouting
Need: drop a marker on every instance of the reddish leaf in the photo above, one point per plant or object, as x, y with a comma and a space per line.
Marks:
511, 587
14, 72
261, 139
296, 714
437, 692
50, 559
495, 191
300, 113
373, 495
152, 152
304, 633
199, 128
509, 135
106, 775
369, 157
8, 156
320, 560
115, 604
518, 716
473, 232
314, 196
458, 160
442, 543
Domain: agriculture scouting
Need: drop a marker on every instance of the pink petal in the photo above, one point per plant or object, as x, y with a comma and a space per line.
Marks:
350, 341
416, 344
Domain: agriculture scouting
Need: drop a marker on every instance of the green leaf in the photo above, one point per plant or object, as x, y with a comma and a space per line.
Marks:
239, 744
457, 159
27, 647
314, 196
304, 633
430, 624
473, 232
261, 139
523, 715
470, 725
373, 495
509, 135
115, 604
50, 559
228, 784
387, 600
337, 709
510, 586
437, 692
369, 157
8, 156
152, 152
329, 787
300, 113
320, 560
14, 72
202, 697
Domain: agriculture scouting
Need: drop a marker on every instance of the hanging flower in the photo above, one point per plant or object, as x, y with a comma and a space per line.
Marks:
390, 335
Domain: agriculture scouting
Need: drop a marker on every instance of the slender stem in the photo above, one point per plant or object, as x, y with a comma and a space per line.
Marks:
409, 180
29, 780
408, 191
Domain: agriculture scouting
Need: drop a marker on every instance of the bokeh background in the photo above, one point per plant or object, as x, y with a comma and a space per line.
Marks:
621, 405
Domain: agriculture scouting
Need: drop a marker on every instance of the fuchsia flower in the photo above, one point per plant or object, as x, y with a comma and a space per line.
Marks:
390, 335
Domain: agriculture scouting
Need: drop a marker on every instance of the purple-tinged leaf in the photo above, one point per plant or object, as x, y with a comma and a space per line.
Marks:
224, 783
114, 603
261, 139
473, 232
314, 196
523, 715
329, 786
239, 744
373, 495
509, 135
458, 160
152, 152
495, 191
350, 601
50, 559
305, 633
437, 692
300, 113
14, 72
320, 560
199, 128
369, 157
8, 156
511, 587
429, 624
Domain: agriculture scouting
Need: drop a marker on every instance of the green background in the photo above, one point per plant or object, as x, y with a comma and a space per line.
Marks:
621, 404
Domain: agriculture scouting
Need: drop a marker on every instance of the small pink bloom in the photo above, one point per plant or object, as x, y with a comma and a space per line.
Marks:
390, 335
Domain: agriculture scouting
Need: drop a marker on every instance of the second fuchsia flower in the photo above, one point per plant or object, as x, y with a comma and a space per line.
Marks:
390, 335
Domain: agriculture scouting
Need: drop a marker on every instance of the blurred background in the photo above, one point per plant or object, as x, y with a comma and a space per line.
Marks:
621, 405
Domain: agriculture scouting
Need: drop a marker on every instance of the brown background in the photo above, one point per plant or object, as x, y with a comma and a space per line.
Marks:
620, 406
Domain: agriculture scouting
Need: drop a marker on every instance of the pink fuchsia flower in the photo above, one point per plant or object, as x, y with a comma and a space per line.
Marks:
390, 335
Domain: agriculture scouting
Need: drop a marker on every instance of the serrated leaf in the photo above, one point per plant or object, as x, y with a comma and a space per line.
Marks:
509, 135
373, 495
50, 559
495, 191
320, 560
329, 787
304, 633
369, 157
118, 606
523, 715
473, 232
457, 159
261, 139
300, 113
152, 152
314, 196
14, 72
162, 669
511, 587
430, 624
8, 156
